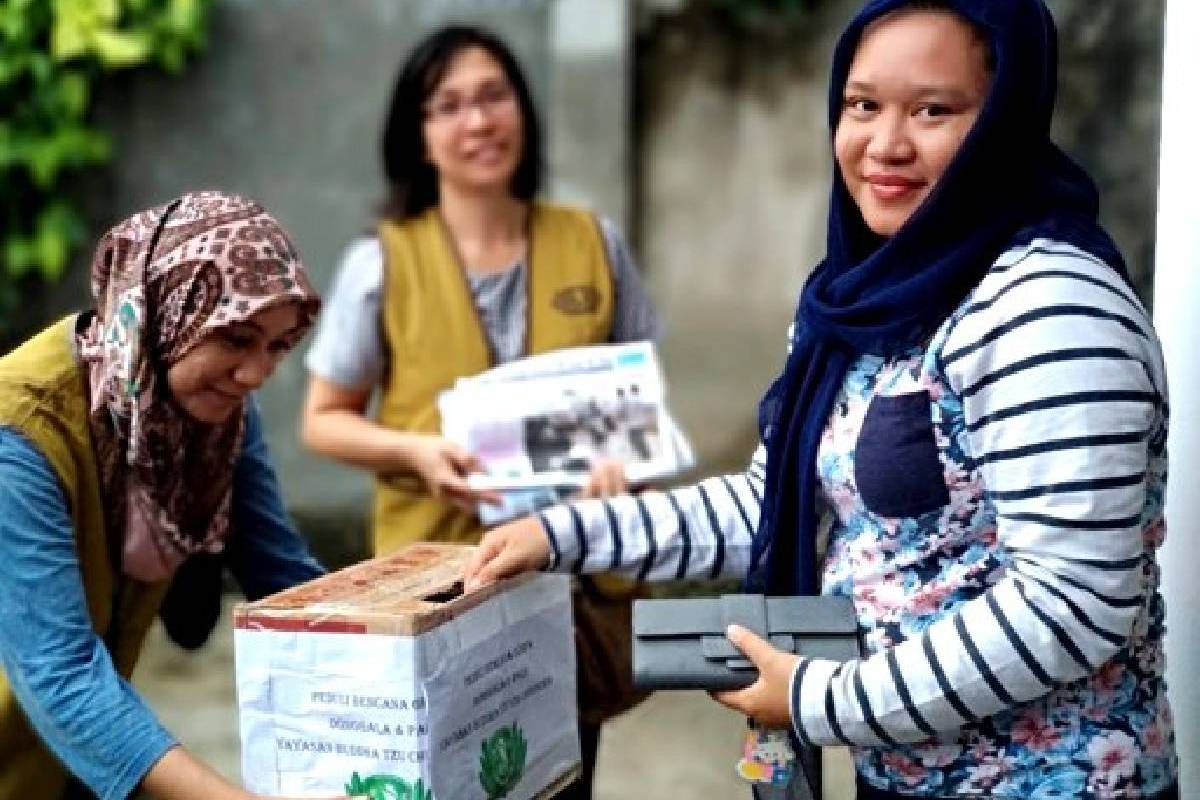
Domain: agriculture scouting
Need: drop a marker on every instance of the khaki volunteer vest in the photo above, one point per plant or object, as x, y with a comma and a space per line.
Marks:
434, 336
42, 396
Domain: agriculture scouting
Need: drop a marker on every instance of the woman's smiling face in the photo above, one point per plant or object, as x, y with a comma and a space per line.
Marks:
473, 129
213, 379
914, 90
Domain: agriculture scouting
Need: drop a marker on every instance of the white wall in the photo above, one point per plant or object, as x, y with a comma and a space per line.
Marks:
1176, 307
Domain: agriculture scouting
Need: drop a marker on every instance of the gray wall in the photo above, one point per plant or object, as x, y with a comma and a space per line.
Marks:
733, 168
732, 178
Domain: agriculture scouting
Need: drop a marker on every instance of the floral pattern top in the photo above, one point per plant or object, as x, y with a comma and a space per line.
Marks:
1106, 735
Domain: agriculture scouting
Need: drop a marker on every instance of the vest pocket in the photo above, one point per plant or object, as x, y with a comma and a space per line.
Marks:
896, 464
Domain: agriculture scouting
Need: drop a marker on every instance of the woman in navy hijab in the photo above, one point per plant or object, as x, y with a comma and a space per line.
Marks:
974, 402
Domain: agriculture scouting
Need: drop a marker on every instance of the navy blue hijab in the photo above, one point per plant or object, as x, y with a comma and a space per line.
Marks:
1007, 185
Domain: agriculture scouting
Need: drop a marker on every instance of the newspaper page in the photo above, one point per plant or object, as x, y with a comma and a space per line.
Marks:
539, 423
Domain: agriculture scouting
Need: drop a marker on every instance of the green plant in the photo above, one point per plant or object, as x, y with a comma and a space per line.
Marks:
502, 761
53, 54
387, 787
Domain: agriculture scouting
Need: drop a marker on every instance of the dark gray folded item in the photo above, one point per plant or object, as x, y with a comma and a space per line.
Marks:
681, 644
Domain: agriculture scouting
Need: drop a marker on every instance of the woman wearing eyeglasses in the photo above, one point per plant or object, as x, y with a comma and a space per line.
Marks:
466, 270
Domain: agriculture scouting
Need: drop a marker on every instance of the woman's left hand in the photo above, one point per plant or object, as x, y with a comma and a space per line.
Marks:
607, 479
766, 701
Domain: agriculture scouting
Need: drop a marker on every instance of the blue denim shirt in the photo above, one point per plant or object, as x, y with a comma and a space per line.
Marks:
59, 669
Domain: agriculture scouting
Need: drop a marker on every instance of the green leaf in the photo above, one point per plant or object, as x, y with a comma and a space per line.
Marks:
9, 153
51, 251
14, 23
118, 49
59, 229
76, 23
19, 255
20, 6
69, 146
41, 159
172, 57
41, 67
72, 94
12, 64
184, 18
68, 41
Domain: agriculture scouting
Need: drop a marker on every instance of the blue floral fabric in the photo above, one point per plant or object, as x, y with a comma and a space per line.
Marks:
1108, 735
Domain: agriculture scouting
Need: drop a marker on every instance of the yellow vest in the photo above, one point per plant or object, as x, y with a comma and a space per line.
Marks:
42, 396
434, 336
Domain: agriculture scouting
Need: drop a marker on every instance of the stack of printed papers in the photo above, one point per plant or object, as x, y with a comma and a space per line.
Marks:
538, 424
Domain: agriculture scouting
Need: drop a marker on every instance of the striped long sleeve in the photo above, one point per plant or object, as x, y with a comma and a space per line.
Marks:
1064, 422
698, 531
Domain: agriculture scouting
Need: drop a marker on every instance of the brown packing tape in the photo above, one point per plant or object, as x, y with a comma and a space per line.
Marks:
383, 583
408, 592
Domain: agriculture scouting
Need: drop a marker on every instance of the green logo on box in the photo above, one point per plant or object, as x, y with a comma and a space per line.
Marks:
387, 787
502, 762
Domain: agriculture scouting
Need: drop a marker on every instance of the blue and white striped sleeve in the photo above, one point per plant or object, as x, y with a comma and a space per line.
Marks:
1064, 400
700, 531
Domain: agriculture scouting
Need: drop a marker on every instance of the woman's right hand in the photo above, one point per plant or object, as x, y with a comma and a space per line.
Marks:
335, 424
444, 466
508, 550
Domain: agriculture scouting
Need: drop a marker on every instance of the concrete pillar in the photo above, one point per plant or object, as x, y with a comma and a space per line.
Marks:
1177, 317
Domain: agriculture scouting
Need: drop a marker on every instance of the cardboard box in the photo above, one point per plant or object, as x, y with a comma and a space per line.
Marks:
384, 680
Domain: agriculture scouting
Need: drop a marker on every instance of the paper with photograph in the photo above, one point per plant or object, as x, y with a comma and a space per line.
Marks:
539, 423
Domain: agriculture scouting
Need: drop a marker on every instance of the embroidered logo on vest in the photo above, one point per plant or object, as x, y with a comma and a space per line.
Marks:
577, 300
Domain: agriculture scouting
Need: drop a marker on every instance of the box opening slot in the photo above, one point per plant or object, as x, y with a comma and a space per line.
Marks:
451, 592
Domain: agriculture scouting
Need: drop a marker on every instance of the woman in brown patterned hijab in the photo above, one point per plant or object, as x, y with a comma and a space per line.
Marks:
208, 293
128, 445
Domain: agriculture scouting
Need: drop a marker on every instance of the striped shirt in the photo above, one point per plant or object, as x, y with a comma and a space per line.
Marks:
996, 500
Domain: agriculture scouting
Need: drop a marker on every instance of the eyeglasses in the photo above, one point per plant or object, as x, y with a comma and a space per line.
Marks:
491, 99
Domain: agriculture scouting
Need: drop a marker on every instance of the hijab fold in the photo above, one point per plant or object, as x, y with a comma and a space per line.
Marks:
162, 281
1007, 185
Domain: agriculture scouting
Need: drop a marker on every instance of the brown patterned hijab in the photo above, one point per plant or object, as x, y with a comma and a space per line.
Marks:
162, 281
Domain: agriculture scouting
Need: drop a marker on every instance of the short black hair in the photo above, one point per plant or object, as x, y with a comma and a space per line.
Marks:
412, 180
